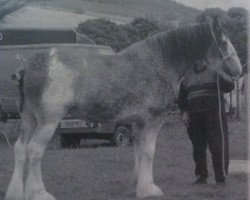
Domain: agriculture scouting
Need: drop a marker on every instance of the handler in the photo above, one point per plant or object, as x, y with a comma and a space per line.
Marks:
203, 112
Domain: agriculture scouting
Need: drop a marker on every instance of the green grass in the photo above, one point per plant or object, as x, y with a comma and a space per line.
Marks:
106, 172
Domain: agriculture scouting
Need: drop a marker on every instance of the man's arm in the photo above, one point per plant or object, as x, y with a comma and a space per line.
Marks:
183, 103
182, 99
226, 85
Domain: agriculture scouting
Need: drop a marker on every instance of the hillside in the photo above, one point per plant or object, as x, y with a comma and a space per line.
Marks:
7, 7
156, 9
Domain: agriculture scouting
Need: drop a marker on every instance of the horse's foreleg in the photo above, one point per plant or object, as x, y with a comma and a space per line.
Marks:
15, 189
34, 187
145, 184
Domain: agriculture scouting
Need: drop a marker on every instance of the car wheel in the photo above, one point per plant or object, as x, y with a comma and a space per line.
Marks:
121, 137
75, 142
65, 141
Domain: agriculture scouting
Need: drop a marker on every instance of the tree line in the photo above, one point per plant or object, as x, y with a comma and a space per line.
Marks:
120, 36
117, 36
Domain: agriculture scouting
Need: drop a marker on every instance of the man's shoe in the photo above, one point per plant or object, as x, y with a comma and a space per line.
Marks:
220, 182
200, 180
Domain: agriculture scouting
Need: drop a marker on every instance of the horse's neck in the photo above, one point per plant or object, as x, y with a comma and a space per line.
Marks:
179, 67
155, 58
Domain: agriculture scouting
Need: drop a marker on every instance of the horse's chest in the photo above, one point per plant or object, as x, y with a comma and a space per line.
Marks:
100, 111
59, 90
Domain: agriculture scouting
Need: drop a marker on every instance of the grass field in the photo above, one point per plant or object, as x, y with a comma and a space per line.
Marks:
106, 172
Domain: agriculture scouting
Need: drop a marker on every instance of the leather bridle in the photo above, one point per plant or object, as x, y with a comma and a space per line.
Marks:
224, 57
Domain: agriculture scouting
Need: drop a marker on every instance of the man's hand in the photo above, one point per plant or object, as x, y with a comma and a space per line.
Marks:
226, 77
185, 118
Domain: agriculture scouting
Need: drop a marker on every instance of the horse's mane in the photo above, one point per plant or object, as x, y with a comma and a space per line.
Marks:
183, 44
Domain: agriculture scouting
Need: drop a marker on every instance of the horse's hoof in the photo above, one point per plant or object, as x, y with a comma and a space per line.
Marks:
152, 190
41, 195
156, 191
14, 195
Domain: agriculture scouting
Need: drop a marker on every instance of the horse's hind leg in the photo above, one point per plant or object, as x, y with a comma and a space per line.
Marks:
137, 130
15, 189
137, 154
34, 187
144, 165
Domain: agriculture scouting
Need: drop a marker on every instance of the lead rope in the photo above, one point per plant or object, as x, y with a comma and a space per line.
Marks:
221, 125
5, 135
214, 38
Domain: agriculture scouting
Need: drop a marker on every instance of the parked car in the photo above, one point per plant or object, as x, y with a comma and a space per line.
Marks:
72, 130
17, 45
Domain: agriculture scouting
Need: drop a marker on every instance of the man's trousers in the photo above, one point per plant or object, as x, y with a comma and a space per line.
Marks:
205, 130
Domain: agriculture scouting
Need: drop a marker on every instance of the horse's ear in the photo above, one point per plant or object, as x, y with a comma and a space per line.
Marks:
208, 20
217, 28
217, 24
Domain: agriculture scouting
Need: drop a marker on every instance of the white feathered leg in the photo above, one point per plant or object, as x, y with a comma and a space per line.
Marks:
146, 186
34, 187
15, 189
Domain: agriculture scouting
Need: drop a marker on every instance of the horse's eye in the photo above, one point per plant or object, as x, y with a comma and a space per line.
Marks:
224, 43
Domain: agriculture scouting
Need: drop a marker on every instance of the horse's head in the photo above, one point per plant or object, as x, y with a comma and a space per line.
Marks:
222, 56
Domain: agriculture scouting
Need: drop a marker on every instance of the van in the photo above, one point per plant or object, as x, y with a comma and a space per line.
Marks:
17, 45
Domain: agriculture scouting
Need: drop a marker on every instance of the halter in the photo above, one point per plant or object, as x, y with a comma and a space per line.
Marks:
224, 57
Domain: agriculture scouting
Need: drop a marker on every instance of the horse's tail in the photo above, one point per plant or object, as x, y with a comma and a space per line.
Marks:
19, 78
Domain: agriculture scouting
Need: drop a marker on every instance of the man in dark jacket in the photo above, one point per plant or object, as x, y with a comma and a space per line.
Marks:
203, 112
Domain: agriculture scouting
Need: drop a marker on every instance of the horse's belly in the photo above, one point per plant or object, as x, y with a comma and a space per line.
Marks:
96, 111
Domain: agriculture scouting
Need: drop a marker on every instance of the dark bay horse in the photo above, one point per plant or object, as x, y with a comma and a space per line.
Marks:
137, 85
